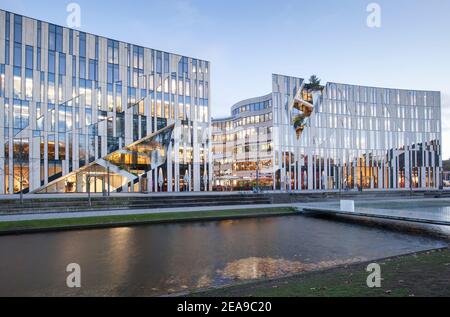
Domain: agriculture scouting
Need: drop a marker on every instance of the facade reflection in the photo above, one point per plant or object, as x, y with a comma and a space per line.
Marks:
68, 99
331, 137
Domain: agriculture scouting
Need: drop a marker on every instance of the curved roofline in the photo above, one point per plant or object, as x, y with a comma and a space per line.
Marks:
222, 119
251, 100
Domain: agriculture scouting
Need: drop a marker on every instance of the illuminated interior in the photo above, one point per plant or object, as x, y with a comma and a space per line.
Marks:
122, 170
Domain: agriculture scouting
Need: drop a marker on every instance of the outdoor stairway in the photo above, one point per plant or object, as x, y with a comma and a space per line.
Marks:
63, 204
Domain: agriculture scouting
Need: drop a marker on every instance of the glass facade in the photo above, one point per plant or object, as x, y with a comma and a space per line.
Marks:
341, 137
123, 170
243, 147
69, 100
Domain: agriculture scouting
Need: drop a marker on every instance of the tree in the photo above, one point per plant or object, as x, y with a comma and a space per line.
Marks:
314, 82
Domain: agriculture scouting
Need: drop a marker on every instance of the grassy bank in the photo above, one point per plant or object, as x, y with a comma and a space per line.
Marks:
424, 274
111, 221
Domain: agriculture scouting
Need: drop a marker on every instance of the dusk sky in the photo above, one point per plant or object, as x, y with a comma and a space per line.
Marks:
248, 40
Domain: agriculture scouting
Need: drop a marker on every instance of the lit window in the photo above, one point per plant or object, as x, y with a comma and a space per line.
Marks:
17, 82
51, 88
29, 84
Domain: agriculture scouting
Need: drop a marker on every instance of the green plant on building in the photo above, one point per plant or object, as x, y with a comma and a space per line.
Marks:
305, 104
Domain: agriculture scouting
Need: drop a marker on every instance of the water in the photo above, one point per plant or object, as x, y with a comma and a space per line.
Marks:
162, 259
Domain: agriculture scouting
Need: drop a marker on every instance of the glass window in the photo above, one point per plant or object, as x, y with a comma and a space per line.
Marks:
74, 66
7, 47
92, 69
17, 29
82, 44
29, 84
159, 62
17, 54
38, 59
116, 73
82, 67
59, 39
8, 28
110, 52
96, 47
166, 62
110, 74
62, 64
71, 42
51, 88
29, 57
51, 62
52, 37
39, 33
17, 82
2, 80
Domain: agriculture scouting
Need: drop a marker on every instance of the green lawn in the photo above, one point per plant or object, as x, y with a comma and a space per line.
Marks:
424, 274
136, 219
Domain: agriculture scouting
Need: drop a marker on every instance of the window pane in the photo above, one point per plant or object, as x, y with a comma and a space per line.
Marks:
17, 55
51, 62
29, 57
62, 64
17, 29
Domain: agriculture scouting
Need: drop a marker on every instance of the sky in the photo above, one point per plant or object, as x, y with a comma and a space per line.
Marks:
248, 40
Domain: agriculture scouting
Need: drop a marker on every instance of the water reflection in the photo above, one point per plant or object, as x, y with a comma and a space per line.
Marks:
257, 268
161, 259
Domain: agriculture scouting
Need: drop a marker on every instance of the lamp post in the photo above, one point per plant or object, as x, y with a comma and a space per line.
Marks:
410, 178
257, 175
88, 187
361, 175
21, 158
109, 182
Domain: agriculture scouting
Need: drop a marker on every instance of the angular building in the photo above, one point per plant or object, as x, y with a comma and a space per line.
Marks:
81, 112
308, 137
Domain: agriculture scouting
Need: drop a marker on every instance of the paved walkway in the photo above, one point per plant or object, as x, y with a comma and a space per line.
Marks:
330, 206
84, 214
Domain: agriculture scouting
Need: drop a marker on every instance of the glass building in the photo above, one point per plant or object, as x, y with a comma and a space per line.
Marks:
242, 146
331, 137
82, 112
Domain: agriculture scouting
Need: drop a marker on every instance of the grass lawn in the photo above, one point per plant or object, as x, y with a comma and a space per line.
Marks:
137, 219
423, 274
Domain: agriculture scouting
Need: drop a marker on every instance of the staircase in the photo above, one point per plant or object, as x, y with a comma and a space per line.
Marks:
68, 204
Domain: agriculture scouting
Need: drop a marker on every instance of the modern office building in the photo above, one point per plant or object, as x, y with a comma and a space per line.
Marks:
82, 112
306, 137
242, 146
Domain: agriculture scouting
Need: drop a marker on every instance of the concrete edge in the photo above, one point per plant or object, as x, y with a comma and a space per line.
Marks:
10, 232
375, 216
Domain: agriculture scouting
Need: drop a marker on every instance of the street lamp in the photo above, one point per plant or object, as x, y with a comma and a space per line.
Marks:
21, 158
257, 174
